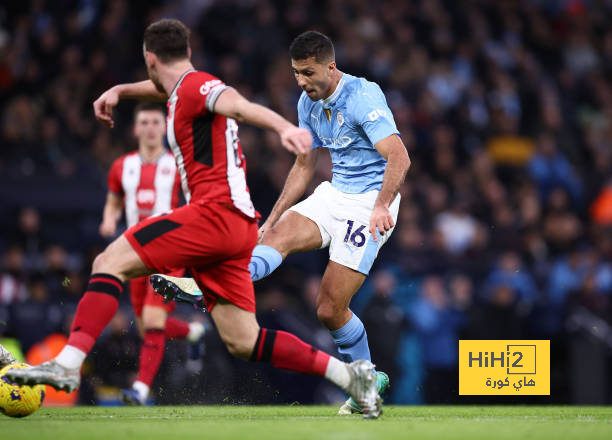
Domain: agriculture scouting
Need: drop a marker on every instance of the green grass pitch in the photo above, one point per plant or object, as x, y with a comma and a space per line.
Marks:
311, 422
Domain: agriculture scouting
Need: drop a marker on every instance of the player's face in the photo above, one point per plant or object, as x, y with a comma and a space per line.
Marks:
314, 78
150, 127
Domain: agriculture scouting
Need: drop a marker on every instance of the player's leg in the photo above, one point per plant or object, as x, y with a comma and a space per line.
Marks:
352, 253
244, 338
153, 245
293, 232
300, 228
157, 327
338, 286
117, 263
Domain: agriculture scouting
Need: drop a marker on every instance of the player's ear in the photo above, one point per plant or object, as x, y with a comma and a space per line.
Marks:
188, 52
150, 58
331, 66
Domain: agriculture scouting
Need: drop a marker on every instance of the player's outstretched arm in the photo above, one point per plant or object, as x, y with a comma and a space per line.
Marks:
393, 150
297, 181
103, 106
232, 104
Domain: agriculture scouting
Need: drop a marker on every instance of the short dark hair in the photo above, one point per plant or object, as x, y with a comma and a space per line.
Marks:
149, 107
168, 39
312, 44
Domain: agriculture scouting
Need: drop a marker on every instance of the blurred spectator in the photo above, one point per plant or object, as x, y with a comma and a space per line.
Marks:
437, 322
550, 169
509, 273
12, 279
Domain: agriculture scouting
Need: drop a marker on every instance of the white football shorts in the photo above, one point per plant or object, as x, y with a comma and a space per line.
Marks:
343, 220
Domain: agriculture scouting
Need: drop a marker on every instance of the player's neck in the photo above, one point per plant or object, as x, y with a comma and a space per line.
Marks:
170, 74
334, 84
150, 154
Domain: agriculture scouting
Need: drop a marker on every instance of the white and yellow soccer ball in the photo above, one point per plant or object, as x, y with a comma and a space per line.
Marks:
16, 401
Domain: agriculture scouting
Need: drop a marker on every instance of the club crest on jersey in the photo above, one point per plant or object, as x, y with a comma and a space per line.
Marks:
340, 119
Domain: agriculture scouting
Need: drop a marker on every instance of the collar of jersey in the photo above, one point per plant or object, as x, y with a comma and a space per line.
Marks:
178, 83
331, 98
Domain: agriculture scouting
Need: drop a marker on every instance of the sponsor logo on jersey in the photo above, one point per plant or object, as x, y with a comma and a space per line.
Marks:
145, 196
208, 85
375, 114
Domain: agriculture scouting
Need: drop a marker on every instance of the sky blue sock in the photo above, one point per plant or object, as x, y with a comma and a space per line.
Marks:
264, 260
352, 340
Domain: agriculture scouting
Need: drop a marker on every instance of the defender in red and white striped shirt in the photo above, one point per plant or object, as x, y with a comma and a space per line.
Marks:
146, 182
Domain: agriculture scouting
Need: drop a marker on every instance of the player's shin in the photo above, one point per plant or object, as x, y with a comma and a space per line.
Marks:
288, 352
352, 340
95, 310
151, 355
264, 260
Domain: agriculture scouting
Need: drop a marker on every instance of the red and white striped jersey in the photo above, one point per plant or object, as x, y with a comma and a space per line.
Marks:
206, 145
148, 188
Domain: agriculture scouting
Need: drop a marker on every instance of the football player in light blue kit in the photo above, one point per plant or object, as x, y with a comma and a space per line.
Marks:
354, 214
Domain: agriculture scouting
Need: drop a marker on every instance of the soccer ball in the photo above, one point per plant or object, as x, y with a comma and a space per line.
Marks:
16, 401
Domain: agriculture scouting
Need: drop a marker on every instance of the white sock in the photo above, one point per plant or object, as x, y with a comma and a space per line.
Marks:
142, 389
196, 329
337, 373
71, 357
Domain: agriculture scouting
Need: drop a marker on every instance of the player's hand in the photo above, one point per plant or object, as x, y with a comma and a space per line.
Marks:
382, 219
103, 106
262, 230
295, 139
260, 233
108, 229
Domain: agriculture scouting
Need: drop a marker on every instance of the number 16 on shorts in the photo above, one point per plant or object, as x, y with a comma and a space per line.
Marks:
356, 236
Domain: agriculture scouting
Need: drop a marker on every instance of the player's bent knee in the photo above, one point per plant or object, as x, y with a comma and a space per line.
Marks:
239, 349
276, 240
241, 344
100, 263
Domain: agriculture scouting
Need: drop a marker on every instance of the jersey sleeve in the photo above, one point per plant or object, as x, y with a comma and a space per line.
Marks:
304, 121
207, 89
114, 177
370, 111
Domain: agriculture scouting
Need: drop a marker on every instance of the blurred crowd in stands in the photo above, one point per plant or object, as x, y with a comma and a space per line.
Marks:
505, 225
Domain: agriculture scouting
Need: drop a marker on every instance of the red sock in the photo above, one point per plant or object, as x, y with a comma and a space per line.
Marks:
176, 329
95, 310
151, 355
288, 352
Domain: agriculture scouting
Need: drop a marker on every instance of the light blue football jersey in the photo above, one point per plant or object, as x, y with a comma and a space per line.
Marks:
349, 123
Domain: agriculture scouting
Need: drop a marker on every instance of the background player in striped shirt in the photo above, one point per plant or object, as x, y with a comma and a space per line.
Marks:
146, 182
